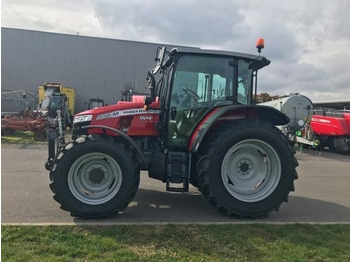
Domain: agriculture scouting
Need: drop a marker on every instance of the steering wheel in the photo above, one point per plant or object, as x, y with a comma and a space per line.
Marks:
189, 92
195, 105
200, 108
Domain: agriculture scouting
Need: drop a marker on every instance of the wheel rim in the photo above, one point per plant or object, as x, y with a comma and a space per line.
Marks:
251, 170
95, 178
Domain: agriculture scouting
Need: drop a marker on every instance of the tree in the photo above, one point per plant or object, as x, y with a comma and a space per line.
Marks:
264, 97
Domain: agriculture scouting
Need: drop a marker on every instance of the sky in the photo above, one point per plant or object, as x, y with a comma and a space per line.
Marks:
308, 42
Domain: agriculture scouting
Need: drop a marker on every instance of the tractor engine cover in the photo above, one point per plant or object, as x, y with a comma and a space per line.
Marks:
128, 117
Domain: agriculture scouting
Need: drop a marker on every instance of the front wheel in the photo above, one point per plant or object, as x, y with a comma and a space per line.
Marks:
95, 178
246, 168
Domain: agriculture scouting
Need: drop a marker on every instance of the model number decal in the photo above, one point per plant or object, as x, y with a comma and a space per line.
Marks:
128, 112
146, 117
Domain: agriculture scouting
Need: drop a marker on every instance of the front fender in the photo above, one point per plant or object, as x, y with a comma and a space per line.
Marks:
125, 136
227, 114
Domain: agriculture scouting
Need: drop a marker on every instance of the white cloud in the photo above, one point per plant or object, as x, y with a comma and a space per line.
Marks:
307, 41
51, 15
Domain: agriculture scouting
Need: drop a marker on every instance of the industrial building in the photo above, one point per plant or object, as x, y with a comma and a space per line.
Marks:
95, 67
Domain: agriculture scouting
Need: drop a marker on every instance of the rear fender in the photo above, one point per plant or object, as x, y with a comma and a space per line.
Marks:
227, 114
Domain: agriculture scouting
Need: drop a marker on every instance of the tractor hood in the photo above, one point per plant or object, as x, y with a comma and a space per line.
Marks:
122, 105
102, 115
131, 118
137, 102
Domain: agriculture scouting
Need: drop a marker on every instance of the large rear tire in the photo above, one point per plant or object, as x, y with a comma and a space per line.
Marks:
95, 178
246, 168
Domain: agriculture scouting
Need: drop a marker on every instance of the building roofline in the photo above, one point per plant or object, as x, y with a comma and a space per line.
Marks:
332, 101
93, 37
179, 48
340, 104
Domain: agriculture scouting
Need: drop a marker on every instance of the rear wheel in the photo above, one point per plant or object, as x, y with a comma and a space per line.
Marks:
95, 178
251, 170
246, 168
39, 135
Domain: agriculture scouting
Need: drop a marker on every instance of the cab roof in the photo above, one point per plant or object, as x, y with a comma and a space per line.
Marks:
259, 61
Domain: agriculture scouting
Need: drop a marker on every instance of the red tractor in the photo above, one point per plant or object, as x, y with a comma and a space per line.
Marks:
198, 126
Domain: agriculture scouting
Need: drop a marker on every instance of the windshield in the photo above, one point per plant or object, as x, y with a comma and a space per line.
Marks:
212, 79
55, 104
199, 84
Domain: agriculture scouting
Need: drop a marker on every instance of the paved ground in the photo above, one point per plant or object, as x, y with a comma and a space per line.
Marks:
322, 195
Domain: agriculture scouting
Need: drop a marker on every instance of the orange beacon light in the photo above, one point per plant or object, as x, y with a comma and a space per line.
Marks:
260, 43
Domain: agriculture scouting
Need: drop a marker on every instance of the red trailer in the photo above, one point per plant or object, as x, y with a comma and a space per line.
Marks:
332, 128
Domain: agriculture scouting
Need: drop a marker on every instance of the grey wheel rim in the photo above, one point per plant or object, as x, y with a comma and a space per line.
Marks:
95, 178
251, 170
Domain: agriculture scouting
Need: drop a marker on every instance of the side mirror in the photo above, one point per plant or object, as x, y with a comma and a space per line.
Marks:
159, 59
148, 100
151, 83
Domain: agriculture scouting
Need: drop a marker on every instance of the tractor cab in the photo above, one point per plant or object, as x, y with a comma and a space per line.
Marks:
57, 102
194, 82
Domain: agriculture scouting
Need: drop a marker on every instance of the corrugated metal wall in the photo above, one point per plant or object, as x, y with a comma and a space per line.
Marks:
95, 67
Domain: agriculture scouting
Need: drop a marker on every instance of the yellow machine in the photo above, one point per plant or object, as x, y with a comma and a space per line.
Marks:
48, 88
54, 97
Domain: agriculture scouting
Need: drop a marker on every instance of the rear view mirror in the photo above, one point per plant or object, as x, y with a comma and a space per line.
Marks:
159, 59
148, 101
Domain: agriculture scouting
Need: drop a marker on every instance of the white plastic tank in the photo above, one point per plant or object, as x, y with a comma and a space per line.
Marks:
297, 107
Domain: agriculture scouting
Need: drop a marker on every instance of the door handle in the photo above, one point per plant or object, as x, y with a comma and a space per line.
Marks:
173, 112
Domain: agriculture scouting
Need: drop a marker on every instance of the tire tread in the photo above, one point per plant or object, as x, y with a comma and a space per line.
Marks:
60, 198
206, 152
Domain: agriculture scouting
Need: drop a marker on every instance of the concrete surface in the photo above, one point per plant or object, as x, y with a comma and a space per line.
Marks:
322, 195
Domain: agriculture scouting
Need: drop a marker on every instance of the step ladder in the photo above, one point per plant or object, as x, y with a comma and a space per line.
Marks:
177, 171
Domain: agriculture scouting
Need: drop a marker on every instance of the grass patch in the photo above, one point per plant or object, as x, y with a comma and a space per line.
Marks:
177, 243
19, 137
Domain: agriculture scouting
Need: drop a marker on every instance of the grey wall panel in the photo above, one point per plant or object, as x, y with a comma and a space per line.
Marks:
95, 67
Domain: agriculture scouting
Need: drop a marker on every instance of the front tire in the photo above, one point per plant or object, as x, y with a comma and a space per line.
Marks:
246, 168
95, 178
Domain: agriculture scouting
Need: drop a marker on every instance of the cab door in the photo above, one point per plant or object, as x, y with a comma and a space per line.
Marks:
199, 84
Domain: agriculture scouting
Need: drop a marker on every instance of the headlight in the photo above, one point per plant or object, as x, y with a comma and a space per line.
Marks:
82, 118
